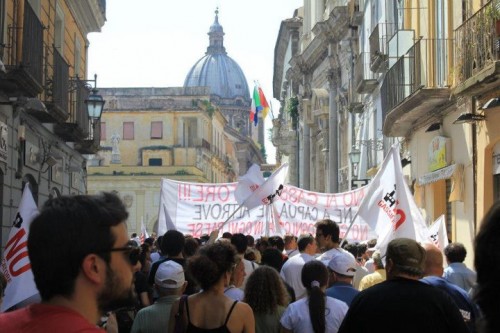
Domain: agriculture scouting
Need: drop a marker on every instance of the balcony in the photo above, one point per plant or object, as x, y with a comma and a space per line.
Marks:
77, 127
57, 92
417, 86
90, 144
365, 80
477, 67
379, 52
25, 69
354, 100
356, 12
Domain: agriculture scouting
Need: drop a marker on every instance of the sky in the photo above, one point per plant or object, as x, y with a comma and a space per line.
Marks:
154, 43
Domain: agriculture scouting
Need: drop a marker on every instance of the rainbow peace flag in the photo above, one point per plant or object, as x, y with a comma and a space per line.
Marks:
259, 104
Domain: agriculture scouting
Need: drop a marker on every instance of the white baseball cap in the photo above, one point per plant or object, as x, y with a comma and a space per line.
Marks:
343, 263
170, 275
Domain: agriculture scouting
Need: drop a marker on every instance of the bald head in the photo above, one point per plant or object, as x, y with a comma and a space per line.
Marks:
433, 260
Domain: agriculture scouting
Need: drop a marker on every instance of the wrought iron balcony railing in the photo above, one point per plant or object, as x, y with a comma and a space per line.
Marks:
379, 50
58, 88
425, 65
477, 42
365, 79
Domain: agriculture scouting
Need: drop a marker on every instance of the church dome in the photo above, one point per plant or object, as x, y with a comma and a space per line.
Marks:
217, 70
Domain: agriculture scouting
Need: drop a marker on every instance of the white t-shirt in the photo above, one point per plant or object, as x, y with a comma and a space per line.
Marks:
297, 319
330, 254
291, 272
250, 266
234, 293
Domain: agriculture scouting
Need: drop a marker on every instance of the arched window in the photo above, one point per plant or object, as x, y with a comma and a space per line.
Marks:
28, 178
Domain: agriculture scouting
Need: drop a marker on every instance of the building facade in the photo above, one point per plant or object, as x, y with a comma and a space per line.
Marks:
200, 132
44, 125
410, 72
152, 133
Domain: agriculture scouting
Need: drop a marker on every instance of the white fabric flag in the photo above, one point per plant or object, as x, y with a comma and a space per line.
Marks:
253, 191
389, 207
144, 232
437, 233
15, 264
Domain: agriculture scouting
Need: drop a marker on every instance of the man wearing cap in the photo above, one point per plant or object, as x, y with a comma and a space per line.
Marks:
291, 270
377, 276
170, 283
342, 269
402, 303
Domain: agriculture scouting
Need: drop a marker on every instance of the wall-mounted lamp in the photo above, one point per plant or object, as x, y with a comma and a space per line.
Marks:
433, 127
469, 118
405, 161
95, 104
492, 103
354, 157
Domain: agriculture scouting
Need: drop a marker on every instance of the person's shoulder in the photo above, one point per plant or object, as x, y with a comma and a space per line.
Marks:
243, 308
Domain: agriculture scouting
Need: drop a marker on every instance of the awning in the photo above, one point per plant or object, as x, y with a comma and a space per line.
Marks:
432, 177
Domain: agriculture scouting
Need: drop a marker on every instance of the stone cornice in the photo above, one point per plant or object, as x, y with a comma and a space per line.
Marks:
282, 43
88, 14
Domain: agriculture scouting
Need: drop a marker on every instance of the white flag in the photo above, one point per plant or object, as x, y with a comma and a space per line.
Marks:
389, 207
15, 264
144, 232
437, 233
252, 190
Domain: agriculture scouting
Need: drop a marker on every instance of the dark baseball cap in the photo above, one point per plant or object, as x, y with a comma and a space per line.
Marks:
407, 255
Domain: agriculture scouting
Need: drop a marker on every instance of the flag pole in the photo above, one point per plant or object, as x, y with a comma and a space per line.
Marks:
349, 229
215, 233
271, 107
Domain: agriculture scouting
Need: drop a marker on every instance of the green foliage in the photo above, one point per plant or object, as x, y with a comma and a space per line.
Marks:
263, 152
293, 110
209, 108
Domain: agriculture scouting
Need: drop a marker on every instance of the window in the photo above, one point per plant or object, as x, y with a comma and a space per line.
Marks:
78, 55
2, 27
103, 131
128, 130
155, 162
59, 30
156, 130
496, 187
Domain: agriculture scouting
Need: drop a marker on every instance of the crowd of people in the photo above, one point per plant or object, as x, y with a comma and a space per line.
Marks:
93, 277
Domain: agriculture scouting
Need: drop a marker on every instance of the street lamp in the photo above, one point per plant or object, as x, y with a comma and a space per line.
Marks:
95, 104
354, 157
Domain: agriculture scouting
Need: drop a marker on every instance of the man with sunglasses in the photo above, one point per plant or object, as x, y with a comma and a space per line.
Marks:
82, 263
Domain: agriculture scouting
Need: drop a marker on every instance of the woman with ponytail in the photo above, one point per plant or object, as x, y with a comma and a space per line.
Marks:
315, 313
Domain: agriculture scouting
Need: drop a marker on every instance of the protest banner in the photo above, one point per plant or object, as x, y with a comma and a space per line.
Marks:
16, 265
389, 207
200, 208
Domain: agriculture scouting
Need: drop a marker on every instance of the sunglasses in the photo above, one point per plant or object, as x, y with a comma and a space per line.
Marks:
132, 252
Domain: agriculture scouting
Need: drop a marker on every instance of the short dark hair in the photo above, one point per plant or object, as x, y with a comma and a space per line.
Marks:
305, 240
68, 229
240, 242
250, 240
172, 243
328, 227
277, 241
272, 257
211, 262
455, 252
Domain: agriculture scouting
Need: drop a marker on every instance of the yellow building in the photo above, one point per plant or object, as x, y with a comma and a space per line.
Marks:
44, 125
152, 133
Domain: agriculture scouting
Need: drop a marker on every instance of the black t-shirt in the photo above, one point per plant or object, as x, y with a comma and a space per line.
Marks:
403, 305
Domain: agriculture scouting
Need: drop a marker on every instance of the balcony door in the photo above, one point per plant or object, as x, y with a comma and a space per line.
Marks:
440, 43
